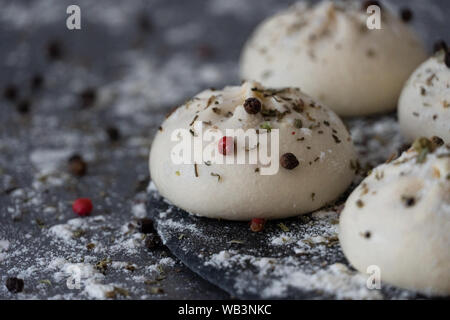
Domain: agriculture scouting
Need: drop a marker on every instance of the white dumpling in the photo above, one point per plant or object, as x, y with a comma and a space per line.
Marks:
314, 161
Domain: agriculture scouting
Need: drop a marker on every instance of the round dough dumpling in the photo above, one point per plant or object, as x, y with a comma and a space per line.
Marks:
249, 152
329, 52
424, 106
398, 219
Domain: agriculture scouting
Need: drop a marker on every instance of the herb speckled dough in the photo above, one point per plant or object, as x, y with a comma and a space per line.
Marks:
328, 51
399, 220
424, 106
312, 133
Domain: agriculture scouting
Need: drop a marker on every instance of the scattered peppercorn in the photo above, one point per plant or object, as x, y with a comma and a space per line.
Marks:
408, 201
367, 234
82, 206
54, 50
406, 14
142, 184
298, 123
205, 51
88, 97
156, 290
226, 146
77, 166
10, 92
367, 4
257, 224
37, 82
14, 285
440, 45
146, 226
252, 105
144, 23
289, 161
423, 147
113, 134
152, 240
360, 203
23, 106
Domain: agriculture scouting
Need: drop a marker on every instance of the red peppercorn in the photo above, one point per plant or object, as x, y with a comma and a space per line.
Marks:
226, 146
447, 59
82, 206
257, 224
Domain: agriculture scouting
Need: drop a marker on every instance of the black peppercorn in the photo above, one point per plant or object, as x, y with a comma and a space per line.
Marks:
77, 166
14, 285
440, 45
289, 161
252, 106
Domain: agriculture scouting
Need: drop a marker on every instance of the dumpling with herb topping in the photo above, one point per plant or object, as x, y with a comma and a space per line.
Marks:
398, 219
295, 154
424, 106
328, 51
